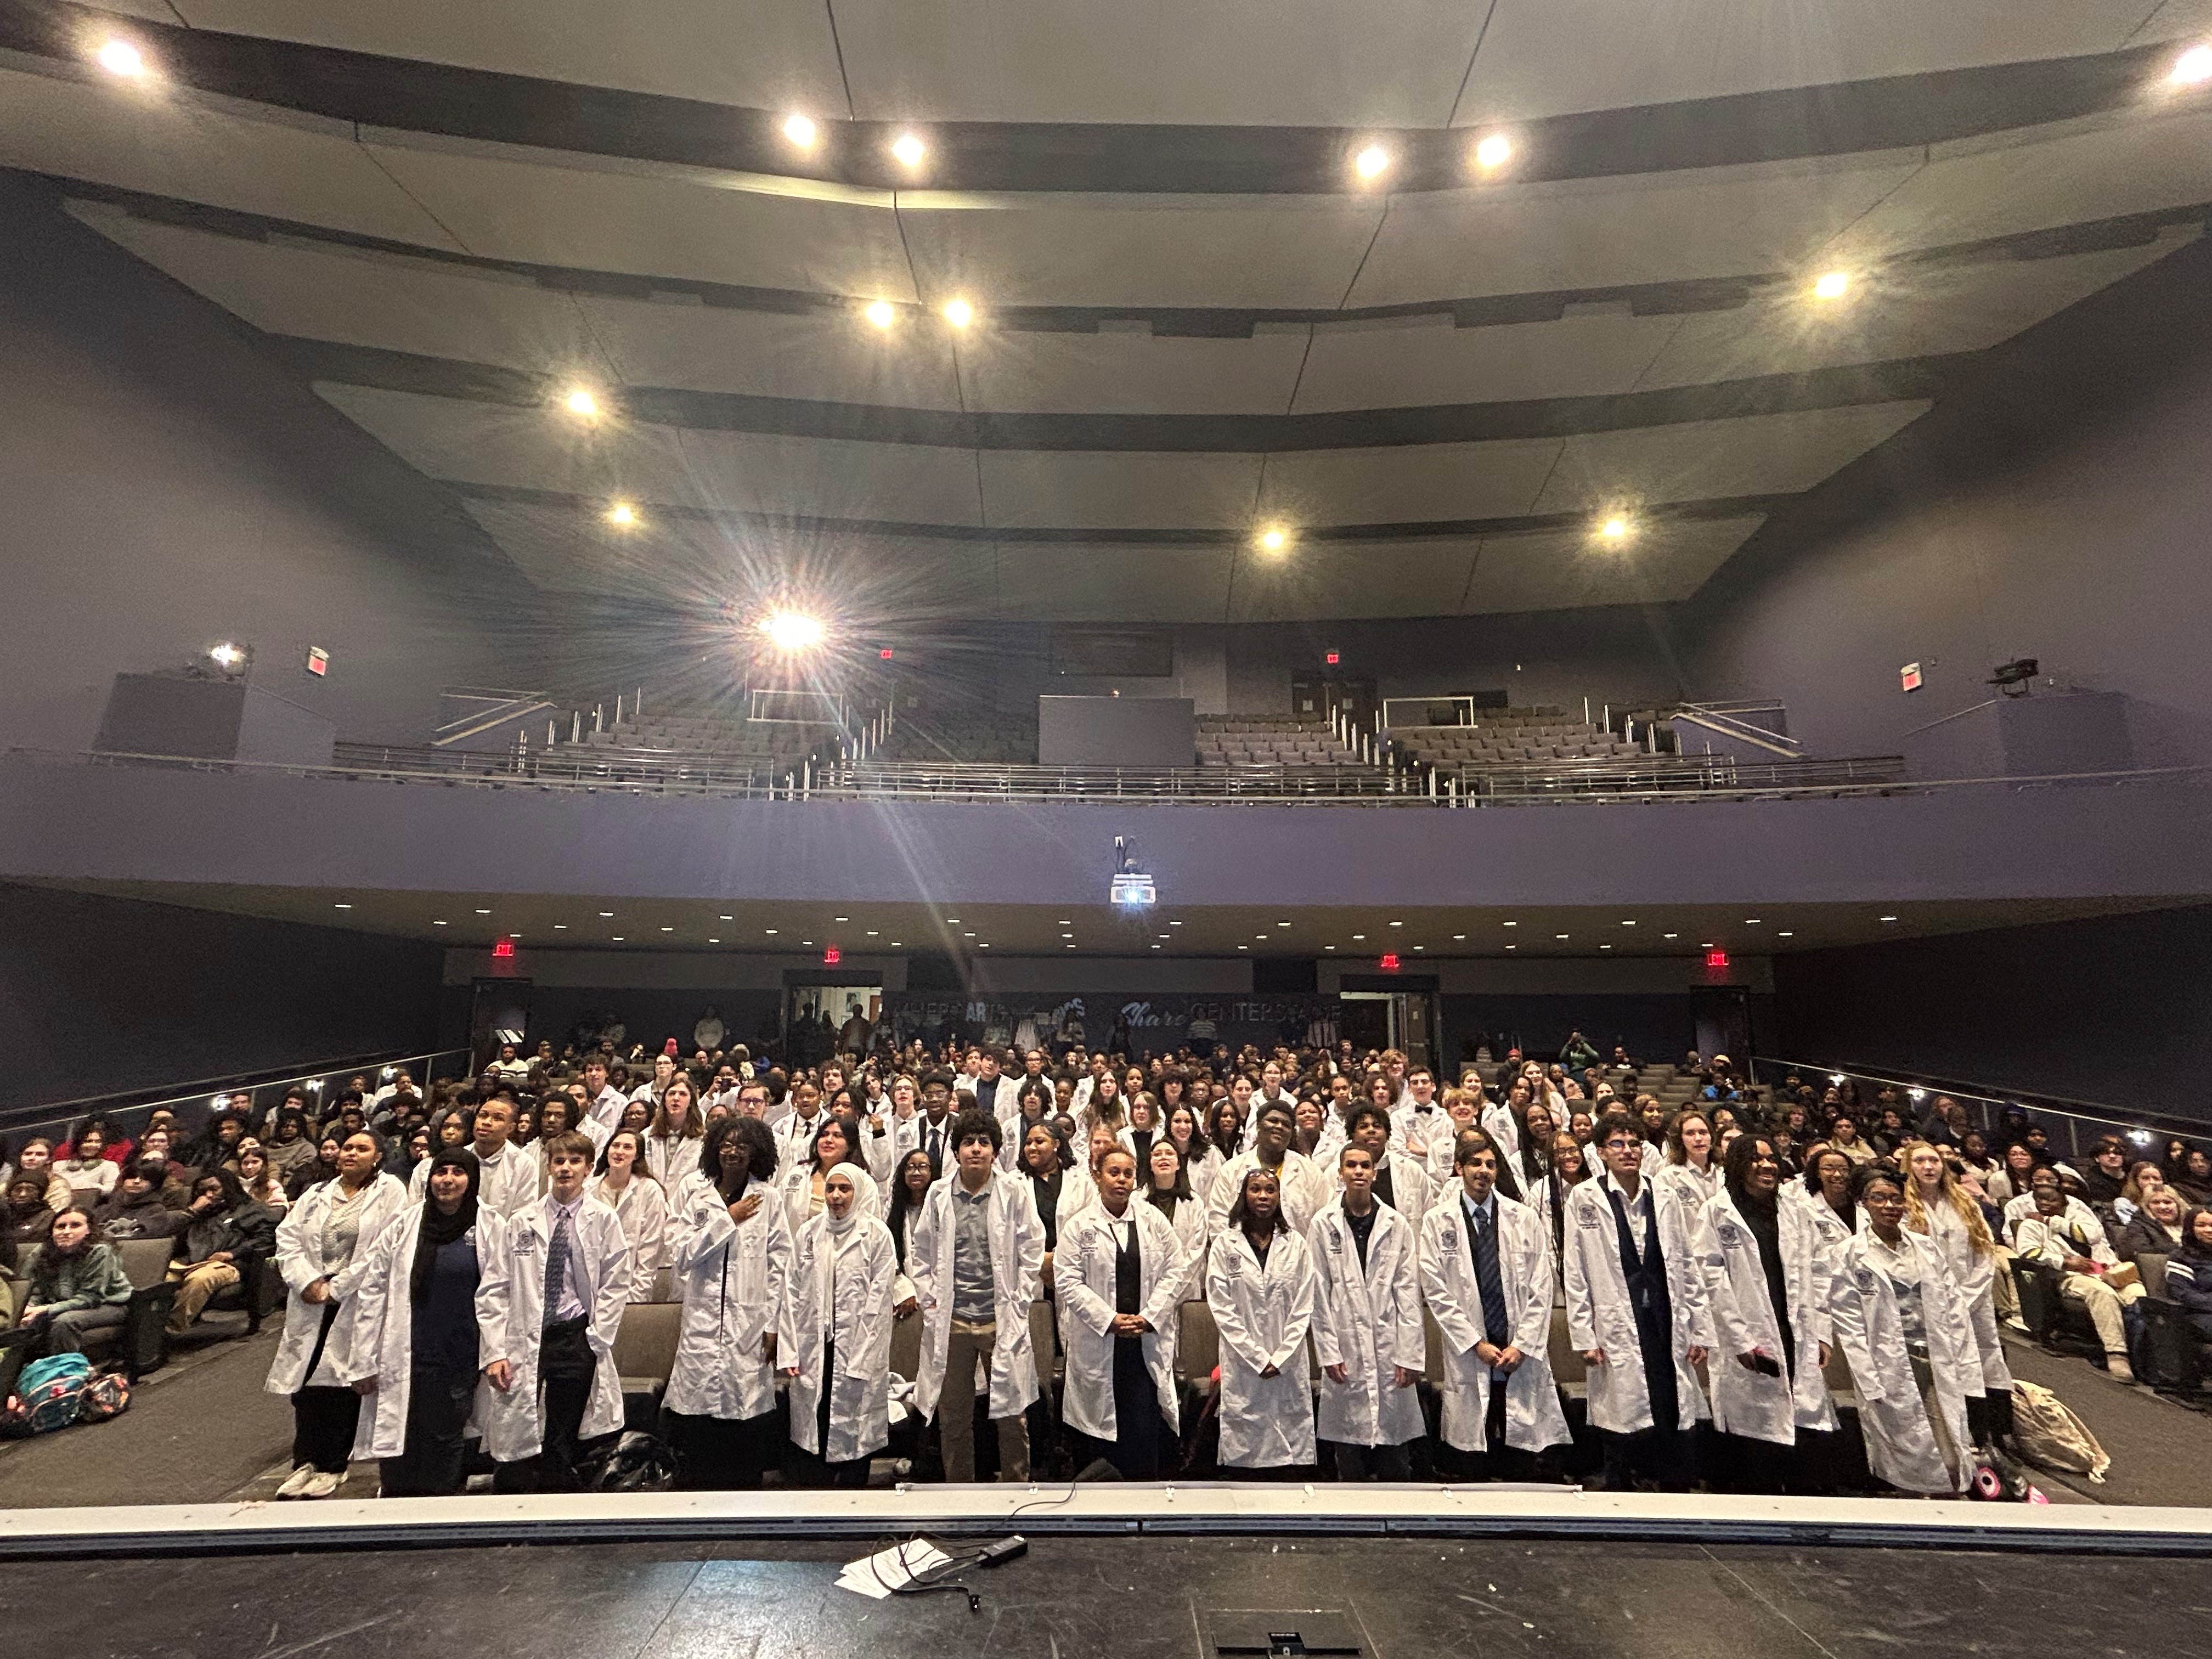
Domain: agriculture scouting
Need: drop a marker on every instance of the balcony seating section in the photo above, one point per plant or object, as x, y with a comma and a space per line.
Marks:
926, 734
1247, 740
1515, 738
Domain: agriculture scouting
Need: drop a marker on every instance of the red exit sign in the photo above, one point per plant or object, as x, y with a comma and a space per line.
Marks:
1389, 963
504, 949
1717, 959
831, 958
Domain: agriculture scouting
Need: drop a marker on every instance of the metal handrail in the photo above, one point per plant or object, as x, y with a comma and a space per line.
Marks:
2100, 1120
1708, 779
1727, 725
131, 1107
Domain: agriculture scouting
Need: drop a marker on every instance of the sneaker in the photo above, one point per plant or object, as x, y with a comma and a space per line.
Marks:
322, 1486
2116, 1368
296, 1482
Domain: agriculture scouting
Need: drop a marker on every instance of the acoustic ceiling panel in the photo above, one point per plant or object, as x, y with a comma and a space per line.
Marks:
1237, 63
1029, 488
244, 157
826, 357
1907, 310
1050, 250
1109, 584
765, 54
1567, 569
835, 478
1699, 460
1597, 232
2097, 168
547, 207
1554, 57
1354, 580
327, 291
1402, 361
1415, 483
1132, 372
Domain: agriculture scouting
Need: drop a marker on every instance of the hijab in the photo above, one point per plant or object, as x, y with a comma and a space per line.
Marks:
439, 1228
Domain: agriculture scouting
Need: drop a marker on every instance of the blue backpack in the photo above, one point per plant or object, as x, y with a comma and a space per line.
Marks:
48, 1394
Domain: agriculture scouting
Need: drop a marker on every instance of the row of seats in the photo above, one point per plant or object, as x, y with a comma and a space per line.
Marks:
1528, 742
982, 737
1271, 743
140, 1344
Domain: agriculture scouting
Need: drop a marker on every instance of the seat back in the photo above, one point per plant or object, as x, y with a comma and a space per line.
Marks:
145, 1261
906, 1346
1198, 1344
1568, 1368
1044, 1345
1433, 1342
2151, 1264
645, 1343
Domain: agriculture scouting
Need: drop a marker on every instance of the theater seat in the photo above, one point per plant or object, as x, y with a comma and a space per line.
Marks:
1198, 1345
906, 1346
141, 1343
645, 1353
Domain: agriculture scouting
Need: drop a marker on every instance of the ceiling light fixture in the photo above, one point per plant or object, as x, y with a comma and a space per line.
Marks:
1885, 918
582, 402
1275, 538
437, 924
1670, 936
2193, 68
341, 907
882, 312
909, 149
1616, 527
1494, 152
791, 630
483, 913
959, 313
560, 926
621, 514
1509, 924
122, 58
1459, 935
800, 130
1832, 285
1371, 162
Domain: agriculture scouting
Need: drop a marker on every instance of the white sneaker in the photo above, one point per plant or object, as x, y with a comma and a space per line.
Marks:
296, 1482
322, 1486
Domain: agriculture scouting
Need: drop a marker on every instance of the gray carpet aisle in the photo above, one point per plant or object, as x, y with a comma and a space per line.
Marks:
2161, 1452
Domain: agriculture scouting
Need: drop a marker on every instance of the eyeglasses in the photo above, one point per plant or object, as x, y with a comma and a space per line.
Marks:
1619, 1145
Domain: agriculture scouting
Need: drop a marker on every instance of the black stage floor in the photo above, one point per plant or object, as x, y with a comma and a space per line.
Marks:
1134, 1598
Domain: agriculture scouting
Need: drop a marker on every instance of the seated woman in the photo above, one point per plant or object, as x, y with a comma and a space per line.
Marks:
257, 1175
324, 1166
35, 1158
223, 1231
91, 1177
2155, 1230
78, 1286
135, 1209
2189, 1271
291, 1148
114, 1146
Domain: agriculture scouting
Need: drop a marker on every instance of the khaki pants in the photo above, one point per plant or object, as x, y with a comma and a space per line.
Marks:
967, 1347
195, 1285
2104, 1303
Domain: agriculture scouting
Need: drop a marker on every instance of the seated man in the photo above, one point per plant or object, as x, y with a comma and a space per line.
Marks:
217, 1233
2061, 1235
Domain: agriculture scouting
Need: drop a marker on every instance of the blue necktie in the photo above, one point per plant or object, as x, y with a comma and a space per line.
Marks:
1488, 1281
556, 1270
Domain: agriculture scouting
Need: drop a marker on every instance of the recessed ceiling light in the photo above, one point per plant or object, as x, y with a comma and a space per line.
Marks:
1371, 162
1282, 924
1328, 947
840, 918
1704, 945
970, 933
1275, 538
1605, 947
2193, 68
341, 907
1751, 921
881, 312
1459, 935
1670, 936
604, 914
909, 150
581, 401
726, 918
1512, 947
122, 58
483, 913
668, 930
1628, 924
1885, 918
560, 926
714, 941
1356, 938
1832, 285
898, 944
1175, 924
770, 931
1155, 947
1509, 924
1615, 527
437, 924
872, 933
983, 944
1163, 935
1420, 947
1494, 152
953, 921
621, 514
1397, 924
1559, 936
959, 313
617, 939
799, 131
806, 941
1785, 933
1243, 947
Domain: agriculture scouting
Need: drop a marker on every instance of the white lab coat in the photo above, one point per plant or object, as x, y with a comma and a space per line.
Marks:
1304, 1189
383, 1344
642, 1209
794, 1138
1769, 1408
1900, 1442
1367, 1320
915, 1133
1190, 1230
1498, 1123
1084, 1282
732, 1280
1411, 1189
1698, 1187
1263, 1314
671, 1157
511, 1319
1973, 1275
1599, 1314
1533, 1420
796, 1181
607, 1106
1017, 1261
1440, 1164
505, 1183
1417, 1133
299, 1259
841, 1292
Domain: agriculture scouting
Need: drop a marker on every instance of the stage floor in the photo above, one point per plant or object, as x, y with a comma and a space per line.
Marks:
1135, 1598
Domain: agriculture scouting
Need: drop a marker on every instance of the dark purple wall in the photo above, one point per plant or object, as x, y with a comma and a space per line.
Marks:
164, 485
100, 995
2111, 1009
2058, 505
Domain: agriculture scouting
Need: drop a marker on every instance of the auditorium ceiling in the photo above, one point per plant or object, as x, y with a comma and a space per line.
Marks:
1222, 310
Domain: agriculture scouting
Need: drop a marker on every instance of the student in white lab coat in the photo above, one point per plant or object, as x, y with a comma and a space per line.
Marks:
802, 1180
506, 1175
1636, 1307
1420, 1125
835, 1340
420, 1280
322, 1248
1905, 1335
1400, 1181
733, 1264
620, 1181
547, 1310
977, 1255
1769, 1348
1367, 1333
1259, 1287
1499, 1399
1302, 1188
671, 1139
1166, 1186
1938, 1207
1693, 1164
1120, 1282
1202, 1161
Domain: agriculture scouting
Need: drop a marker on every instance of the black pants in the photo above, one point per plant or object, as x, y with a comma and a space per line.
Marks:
565, 1366
718, 1454
429, 1464
1371, 1462
813, 1469
1665, 1455
324, 1419
1499, 1462
1142, 1450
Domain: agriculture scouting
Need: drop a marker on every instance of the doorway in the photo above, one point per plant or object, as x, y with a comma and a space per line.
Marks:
1404, 1020
1316, 698
822, 1020
499, 1012
1723, 1013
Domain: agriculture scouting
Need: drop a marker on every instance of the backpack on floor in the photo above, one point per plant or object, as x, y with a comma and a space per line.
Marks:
105, 1395
48, 1395
2048, 1432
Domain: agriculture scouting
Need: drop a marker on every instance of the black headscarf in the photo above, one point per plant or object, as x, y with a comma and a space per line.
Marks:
439, 1228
